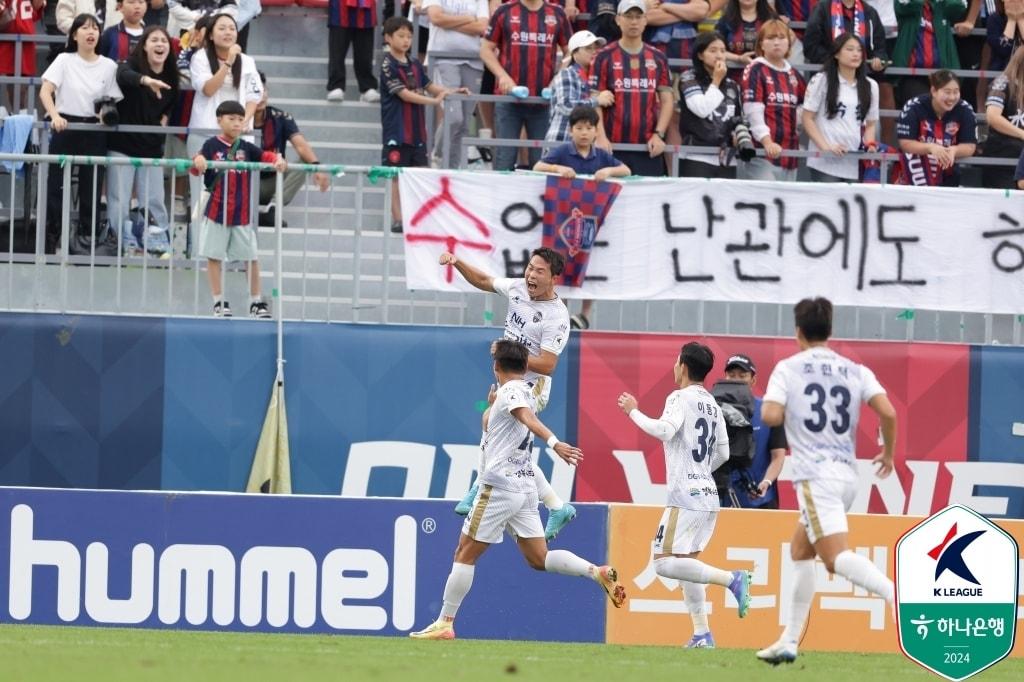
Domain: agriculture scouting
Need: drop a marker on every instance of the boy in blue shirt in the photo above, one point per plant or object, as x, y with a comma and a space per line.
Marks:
226, 231
580, 156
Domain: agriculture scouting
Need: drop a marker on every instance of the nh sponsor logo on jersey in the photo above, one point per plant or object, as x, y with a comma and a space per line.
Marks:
208, 581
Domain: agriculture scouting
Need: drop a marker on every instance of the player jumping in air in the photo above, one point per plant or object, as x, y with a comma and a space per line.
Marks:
817, 394
693, 429
508, 496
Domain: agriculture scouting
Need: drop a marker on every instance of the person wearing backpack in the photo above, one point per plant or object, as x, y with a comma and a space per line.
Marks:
756, 453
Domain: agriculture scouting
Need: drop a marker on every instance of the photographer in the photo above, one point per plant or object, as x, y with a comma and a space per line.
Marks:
709, 104
149, 80
754, 485
72, 85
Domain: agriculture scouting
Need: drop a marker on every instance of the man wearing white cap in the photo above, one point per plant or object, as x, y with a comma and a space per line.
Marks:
571, 86
638, 76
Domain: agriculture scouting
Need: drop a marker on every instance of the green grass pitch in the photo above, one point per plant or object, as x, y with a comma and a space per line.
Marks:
109, 654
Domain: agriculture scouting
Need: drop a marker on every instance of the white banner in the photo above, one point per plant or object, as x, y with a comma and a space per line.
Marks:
722, 240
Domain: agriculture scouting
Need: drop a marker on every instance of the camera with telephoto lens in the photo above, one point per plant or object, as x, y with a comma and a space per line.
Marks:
744, 140
106, 109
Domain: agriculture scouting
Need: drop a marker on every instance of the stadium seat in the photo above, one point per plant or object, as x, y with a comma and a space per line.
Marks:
316, 4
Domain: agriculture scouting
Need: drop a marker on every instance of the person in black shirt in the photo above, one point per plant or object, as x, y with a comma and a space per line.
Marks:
1004, 111
710, 103
149, 81
278, 128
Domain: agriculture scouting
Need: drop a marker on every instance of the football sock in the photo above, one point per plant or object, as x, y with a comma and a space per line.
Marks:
860, 571
693, 595
566, 563
799, 599
691, 570
545, 492
455, 589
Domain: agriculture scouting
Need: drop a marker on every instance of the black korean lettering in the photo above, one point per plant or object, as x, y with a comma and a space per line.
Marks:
810, 228
710, 218
1008, 256
748, 244
897, 241
521, 217
515, 268
680, 277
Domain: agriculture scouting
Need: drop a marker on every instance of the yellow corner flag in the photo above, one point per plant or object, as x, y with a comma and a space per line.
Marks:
271, 468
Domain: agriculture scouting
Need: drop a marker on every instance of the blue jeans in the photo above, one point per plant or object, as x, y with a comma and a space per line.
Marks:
509, 119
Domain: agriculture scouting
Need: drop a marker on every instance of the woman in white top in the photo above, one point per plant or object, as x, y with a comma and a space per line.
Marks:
220, 72
72, 86
840, 112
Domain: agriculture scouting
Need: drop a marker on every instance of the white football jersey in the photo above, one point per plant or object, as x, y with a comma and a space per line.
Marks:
699, 446
539, 325
508, 444
822, 392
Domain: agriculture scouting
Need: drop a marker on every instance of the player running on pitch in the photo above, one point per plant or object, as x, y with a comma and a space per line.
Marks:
537, 318
508, 496
817, 394
693, 429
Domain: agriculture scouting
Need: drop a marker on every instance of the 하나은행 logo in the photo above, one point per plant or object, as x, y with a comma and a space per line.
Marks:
956, 592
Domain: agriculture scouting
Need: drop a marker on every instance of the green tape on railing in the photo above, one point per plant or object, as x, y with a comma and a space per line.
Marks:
273, 292
62, 159
137, 163
488, 316
181, 165
386, 172
907, 314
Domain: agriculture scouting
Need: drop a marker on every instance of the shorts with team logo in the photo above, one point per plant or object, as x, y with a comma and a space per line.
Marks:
495, 510
684, 531
823, 504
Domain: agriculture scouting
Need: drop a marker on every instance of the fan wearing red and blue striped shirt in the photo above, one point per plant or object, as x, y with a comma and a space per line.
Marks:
638, 75
934, 131
521, 49
351, 22
772, 93
117, 42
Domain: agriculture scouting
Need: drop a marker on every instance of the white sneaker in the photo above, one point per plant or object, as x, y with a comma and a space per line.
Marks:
780, 652
371, 96
336, 95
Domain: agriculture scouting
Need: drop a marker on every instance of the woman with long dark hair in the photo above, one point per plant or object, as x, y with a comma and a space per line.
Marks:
220, 72
840, 112
1004, 112
72, 86
740, 22
149, 81
710, 103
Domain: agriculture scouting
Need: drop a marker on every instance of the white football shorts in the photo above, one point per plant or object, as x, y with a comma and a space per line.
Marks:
823, 504
684, 531
496, 510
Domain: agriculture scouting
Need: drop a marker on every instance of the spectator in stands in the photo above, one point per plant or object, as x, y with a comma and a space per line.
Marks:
407, 90
69, 10
1004, 112
740, 22
710, 105
119, 40
183, 14
248, 10
840, 112
26, 14
277, 129
149, 81
458, 26
71, 86
1005, 29
226, 230
796, 10
832, 18
925, 40
638, 75
234, 77
527, 36
579, 156
602, 20
157, 13
571, 86
772, 93
672, 26
935, 130
351, 22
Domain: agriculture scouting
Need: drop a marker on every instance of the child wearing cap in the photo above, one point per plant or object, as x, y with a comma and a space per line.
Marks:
571, 87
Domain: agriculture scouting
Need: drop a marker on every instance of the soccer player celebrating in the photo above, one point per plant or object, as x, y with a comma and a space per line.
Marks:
638, 75
508, 497
817, 395
693, 429
538, 318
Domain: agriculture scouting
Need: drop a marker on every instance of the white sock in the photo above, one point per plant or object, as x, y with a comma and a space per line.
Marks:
564, 562
255, 298
545, 492
217, 298
456, 588
860, 571
691, 570
800, 599
694, 595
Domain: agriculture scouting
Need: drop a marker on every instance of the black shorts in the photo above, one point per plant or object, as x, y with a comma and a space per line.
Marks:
404, 156
487, 84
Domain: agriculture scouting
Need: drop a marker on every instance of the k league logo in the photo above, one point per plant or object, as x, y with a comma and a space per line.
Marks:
956, 592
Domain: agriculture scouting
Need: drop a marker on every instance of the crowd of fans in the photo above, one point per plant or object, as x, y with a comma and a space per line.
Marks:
742, 94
